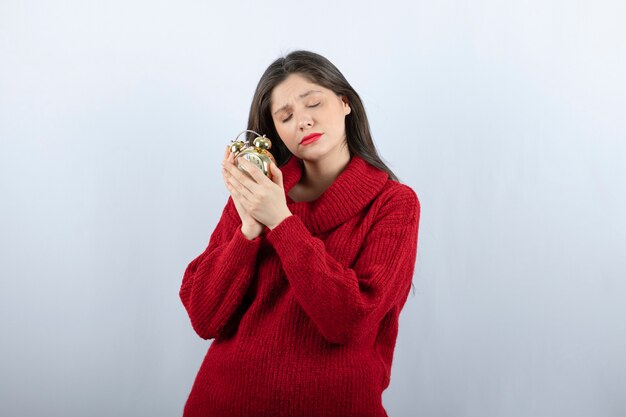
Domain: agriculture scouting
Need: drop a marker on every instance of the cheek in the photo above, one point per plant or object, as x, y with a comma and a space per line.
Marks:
279, 128
282, 132
285, 134
339, 121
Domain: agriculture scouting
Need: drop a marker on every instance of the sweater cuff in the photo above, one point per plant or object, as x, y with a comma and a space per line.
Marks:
237, 251
239, 239
282, 236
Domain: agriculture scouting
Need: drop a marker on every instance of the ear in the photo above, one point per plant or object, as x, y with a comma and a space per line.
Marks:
346, 105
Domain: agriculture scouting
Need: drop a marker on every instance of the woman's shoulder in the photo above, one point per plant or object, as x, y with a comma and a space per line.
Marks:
399, 199
392, 191
398, 192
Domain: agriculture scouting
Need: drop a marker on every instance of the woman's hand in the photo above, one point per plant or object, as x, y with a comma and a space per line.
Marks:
263, 199
249, 226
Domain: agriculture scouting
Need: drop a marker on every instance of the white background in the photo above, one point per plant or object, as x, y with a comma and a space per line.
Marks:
507, 119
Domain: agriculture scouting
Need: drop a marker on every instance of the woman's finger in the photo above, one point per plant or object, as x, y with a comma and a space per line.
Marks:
255, 173
242, 177
237, 179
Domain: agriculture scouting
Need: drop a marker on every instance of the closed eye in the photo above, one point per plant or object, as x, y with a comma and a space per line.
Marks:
311, 106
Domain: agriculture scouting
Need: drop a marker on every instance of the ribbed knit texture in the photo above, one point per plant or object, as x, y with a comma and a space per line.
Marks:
305, 317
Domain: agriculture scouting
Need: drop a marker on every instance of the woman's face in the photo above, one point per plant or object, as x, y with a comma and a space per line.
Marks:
309, 118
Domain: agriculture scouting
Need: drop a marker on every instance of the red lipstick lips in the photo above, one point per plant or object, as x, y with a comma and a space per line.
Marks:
310, 138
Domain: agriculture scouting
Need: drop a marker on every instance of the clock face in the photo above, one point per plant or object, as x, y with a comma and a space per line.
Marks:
254, 159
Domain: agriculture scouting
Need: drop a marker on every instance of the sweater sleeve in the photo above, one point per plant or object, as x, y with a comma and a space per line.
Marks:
215, 282
345, 303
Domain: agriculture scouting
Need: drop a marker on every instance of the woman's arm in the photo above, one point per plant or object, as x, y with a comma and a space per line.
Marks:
345, 303
215, 283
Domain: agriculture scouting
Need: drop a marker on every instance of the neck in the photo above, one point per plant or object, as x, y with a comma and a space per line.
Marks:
319, 175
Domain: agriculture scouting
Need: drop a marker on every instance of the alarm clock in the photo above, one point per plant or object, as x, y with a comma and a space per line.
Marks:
258, 153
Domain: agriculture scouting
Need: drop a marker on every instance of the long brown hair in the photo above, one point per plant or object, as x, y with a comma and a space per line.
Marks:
321, 71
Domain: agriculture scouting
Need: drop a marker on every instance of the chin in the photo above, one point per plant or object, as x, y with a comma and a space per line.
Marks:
314, 156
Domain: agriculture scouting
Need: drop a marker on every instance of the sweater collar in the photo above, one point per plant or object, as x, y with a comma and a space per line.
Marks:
354, 188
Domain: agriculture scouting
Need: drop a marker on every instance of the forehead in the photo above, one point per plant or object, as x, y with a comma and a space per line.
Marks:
291, 89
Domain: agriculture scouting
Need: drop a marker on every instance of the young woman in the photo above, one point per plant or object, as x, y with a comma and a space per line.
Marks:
305, 274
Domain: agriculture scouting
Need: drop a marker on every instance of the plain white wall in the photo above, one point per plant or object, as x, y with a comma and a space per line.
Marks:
507, 118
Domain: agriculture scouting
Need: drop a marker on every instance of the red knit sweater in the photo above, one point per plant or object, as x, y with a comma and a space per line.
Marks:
305, 317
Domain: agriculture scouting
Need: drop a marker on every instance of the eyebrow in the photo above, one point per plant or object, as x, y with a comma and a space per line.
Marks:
300, 96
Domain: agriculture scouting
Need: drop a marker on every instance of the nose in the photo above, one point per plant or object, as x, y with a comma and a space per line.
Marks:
305, 121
